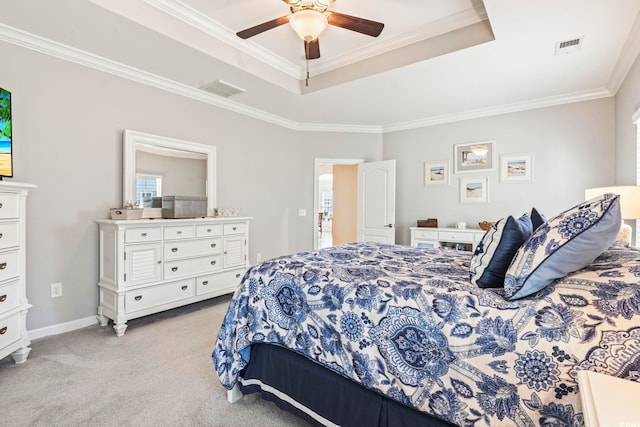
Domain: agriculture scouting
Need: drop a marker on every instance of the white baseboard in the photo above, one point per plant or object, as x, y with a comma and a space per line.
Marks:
61, 328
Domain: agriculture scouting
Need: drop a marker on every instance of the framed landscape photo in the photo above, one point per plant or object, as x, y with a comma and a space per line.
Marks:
474, 189
516, 168
436, 173
474, 156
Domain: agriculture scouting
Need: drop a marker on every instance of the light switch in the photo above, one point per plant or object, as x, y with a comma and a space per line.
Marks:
302, 212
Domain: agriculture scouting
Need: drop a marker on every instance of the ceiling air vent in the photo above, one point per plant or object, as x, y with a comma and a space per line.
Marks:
568, 46
222, 88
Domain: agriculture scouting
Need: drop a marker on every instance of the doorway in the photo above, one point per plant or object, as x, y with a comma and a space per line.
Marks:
335, 201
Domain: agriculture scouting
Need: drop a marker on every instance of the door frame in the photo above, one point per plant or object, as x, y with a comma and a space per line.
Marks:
316, 188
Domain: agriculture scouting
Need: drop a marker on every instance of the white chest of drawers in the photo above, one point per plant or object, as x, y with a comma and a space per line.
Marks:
446, 238
147, 266
14, 339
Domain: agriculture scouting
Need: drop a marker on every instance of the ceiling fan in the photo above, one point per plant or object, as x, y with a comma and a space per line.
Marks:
309, 18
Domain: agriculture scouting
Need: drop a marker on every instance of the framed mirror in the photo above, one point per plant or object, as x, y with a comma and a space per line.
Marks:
155, 166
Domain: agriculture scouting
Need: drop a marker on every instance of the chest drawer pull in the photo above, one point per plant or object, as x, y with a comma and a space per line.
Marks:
174, 269
3, 266
184, 287
3, 330
3, 298
238, 276
143, 234
213, 245
0, 205
234, 228
138, 298
205, 283
213, 262
208, 230
0, 235
174, 249
178, 232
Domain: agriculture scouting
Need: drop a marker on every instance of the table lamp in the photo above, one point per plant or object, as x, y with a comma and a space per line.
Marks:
629, 205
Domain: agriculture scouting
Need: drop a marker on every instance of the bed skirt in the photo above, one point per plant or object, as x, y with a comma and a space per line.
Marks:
321, 396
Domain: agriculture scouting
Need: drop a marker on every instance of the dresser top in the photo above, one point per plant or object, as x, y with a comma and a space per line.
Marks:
172, 221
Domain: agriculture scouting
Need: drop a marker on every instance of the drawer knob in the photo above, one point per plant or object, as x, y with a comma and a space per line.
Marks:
138, 297
208, 230
3, 266
3, 330
184, 287
234, 228
174, 269
0, 235
179, 232
205, 283
143, 234
174, 249
0, 205
238, 276
213, 262
213, 245
3, 298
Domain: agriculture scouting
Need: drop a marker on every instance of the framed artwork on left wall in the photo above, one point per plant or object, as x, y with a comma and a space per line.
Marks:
516, 168
436, 173
474, 189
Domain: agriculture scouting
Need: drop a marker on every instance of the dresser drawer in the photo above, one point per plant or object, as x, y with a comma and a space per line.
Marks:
138, 235
9, 330
455, 236
8, 297
191, 248
153, 296
215, 282
9, 207
192, 266
179, 232
237, 228
207, 230
9, 232
8, 265
425, 234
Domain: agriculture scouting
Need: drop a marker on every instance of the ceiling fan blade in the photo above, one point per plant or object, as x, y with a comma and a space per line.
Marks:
261, 28
353, 23
312, 49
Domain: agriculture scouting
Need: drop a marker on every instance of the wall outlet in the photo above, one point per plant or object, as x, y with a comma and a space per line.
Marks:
302, 212
56, 290
258, 257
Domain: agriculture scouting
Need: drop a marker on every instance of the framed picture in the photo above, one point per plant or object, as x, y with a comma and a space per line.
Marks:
474, 156
474, 189
516, 168
436, 173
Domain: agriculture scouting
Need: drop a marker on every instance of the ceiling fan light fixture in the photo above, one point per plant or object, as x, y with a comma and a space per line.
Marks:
308, 23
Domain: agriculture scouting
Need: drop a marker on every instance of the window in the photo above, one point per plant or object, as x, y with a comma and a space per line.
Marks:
147, 187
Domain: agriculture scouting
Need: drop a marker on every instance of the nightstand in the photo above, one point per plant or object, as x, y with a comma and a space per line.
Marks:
609, 401
446, 238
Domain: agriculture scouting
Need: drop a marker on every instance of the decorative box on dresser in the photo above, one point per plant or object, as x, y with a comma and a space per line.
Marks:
152, 265
14, 339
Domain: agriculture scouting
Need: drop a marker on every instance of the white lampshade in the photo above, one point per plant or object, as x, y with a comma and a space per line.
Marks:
308, 23
629, 198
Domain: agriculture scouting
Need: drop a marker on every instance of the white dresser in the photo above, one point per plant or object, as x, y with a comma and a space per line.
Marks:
151, 265
14, 339
446, 238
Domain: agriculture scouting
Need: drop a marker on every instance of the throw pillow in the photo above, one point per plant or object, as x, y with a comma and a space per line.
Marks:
568, 242
537, 219
497, 248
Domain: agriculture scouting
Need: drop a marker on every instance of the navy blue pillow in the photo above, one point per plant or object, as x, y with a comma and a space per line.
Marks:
497, 248
537, 219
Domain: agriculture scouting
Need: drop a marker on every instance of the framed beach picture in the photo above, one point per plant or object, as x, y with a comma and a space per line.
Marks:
474, 189
516, 168
436, 173
474, 156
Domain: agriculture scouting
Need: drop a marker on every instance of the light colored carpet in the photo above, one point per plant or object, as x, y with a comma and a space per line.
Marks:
160, 373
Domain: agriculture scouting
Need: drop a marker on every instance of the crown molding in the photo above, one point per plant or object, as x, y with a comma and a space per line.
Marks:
501, 109
628, 55
48, 47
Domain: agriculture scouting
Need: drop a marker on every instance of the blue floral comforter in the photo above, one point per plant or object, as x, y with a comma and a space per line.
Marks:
407, 323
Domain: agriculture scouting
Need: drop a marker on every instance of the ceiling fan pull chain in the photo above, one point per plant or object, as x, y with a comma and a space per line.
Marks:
307, 81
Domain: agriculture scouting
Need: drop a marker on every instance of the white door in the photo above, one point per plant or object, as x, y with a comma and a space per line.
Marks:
377, 202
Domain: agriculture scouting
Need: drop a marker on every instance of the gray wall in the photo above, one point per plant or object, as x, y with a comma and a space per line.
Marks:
67, 124
574, 148
627, 103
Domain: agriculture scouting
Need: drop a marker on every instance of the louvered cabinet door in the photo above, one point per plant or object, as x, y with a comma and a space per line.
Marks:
143, 264
234, 251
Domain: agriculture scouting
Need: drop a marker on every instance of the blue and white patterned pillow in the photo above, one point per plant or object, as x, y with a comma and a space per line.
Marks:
497, 248
568, 242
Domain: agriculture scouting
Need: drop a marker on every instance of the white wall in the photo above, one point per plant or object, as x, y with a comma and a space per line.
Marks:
574, 148
627, 103
67, 126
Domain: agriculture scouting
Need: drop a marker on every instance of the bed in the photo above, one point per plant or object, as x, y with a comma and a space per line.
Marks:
394, 333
